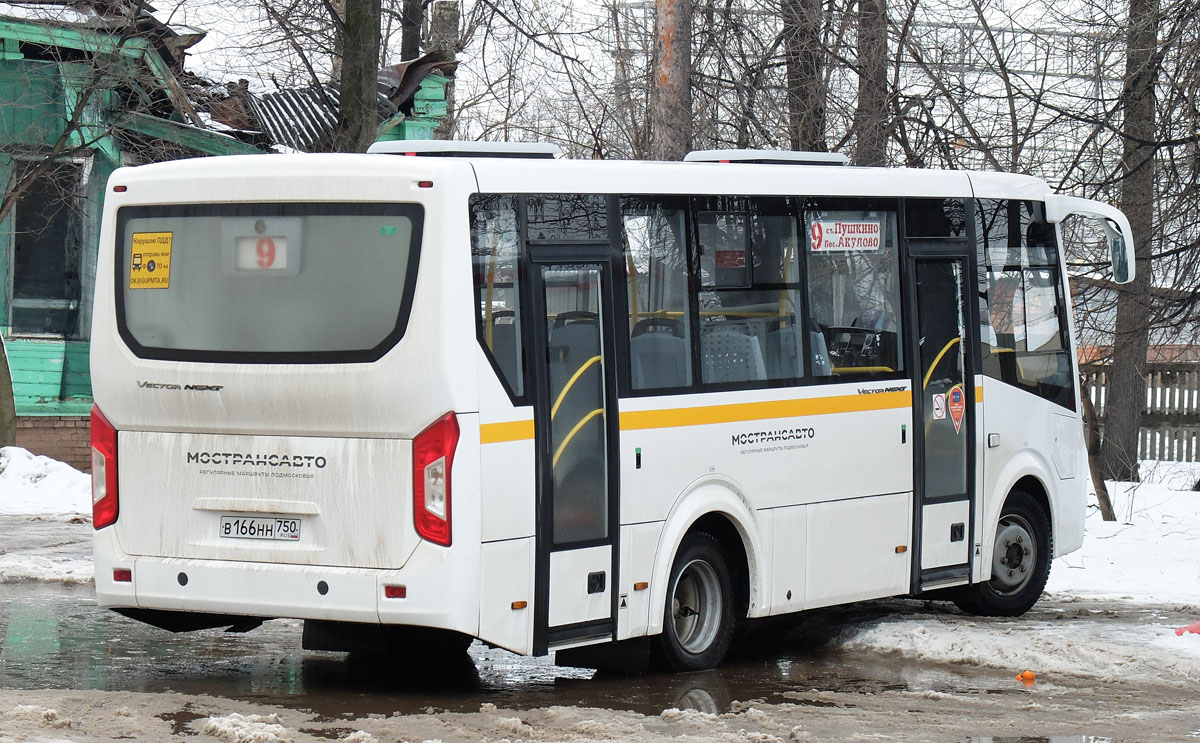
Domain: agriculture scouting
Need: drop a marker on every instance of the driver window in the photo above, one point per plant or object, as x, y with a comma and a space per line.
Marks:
853, 286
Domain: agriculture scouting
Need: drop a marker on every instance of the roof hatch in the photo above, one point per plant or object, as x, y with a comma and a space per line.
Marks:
444, 148
776, 157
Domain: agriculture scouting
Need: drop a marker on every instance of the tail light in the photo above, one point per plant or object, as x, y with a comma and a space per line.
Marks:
433, 459
104, 471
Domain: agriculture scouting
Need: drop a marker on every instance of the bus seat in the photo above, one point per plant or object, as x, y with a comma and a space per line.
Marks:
504, 349
571, 345
659, 360
731, 356
784, 351
658, 325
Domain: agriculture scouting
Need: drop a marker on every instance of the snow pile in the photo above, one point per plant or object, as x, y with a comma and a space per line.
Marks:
32, 485
235, 728
54, 569
34, 713
1150, 554
1147, 653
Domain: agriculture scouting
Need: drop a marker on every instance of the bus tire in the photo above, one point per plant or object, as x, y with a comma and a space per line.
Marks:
1020, 562
698, 617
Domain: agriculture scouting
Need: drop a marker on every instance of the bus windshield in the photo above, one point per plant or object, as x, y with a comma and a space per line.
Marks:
318, 283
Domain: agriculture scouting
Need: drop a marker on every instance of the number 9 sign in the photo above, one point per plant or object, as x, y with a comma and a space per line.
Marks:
817, 233
265, 250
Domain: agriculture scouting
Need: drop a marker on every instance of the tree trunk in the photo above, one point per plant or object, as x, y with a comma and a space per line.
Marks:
805, 74
410, 29
671, 97
1091, 432
871, 116
8, 411
443, 36
1127, 385
358, 119
338, 9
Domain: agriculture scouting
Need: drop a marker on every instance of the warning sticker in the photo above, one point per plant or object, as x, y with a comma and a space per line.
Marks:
838, 234
939, 407
150, 262
956, 401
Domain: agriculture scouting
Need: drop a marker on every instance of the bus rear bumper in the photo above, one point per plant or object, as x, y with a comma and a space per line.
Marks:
431, 597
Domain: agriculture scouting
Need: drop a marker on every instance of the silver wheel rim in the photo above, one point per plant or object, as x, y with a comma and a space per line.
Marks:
1015, 555
696, 604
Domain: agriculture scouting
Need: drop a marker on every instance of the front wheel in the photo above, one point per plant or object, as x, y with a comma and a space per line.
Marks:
698, 617
1020, 562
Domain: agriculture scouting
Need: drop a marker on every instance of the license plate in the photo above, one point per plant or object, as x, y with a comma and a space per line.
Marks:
258, 527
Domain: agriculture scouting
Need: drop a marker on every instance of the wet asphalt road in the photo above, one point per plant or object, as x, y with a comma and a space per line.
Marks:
54, 637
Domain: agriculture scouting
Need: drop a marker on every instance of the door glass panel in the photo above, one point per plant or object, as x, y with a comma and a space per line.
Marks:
943, 364
578, 442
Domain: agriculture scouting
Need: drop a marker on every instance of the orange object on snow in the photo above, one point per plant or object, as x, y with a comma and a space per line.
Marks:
1193, 628
1027, 677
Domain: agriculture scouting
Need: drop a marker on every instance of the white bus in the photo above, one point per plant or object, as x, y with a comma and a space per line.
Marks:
597, 408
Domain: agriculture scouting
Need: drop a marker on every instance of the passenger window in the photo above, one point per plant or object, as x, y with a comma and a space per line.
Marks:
653, 240
495, 245
568, 217
854, 287
1023, 310
751, 329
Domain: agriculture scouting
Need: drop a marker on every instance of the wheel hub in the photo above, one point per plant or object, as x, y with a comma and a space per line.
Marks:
696, 606
1014, 556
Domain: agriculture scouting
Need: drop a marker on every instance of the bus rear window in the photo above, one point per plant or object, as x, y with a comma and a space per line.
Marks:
315, 283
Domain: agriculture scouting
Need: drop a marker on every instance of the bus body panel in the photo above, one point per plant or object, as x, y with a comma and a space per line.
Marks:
317, 501
299, 399
622, 177
858, 549
166, 409
1026, 428
789, 546
507, 457
506, 580
639, 542
786, 445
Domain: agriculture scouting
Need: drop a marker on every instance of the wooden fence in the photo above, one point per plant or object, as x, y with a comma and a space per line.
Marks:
1171, 418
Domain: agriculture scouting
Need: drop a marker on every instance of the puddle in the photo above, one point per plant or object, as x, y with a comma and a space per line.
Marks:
181, 720
54, 636
1052, 739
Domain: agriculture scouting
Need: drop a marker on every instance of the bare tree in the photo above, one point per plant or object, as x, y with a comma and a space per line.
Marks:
872, 115
1127, 388
806, 91
358, 116
670, 115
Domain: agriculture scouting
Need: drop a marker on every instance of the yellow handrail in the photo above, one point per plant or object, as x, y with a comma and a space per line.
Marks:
491, 283
570, 382
571, 434
787, 263
936, 359
633, 297
869, 369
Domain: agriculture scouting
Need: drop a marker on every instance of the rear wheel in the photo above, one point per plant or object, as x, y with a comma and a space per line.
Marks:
698, 617
1020, 562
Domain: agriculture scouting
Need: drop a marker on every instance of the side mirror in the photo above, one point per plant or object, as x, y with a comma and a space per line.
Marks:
1118, 255
1115, 224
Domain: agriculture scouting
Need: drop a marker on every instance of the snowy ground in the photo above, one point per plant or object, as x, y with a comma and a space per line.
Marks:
1106, 631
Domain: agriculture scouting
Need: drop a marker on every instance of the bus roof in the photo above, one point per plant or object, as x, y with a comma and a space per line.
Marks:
606, 176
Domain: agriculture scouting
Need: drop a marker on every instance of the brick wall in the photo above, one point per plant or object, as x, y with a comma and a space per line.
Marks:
62, 437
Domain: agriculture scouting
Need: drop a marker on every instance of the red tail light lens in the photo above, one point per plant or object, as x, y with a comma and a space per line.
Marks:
104, 471
433, 460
